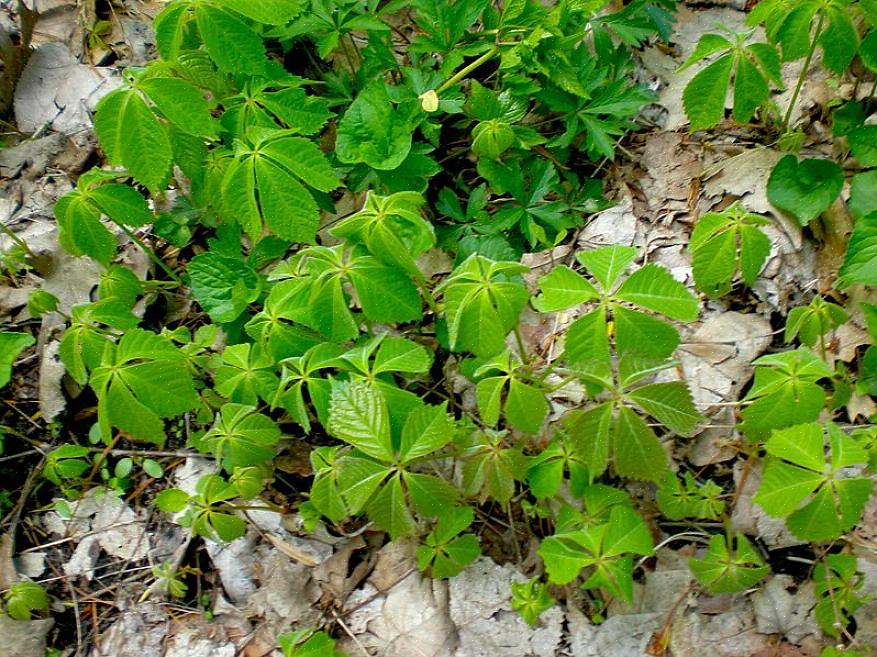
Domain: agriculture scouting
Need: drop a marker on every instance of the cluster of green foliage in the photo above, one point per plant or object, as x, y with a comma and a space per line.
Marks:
468, 145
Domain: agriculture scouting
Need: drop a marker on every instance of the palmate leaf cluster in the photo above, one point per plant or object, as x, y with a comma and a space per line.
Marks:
349, 217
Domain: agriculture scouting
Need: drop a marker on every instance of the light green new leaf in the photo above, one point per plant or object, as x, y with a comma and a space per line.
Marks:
80, 231
241, 437
229, 41
396, 354
785, 487
607, 263
132, 136
427, 429
122, 204
726, 570
704, 97
563, 288
358, 415
11, 345
563, 557
182, 104
269, 12
654, 288
804, 189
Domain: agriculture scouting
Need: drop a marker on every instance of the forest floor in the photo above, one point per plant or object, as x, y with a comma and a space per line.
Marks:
367, 590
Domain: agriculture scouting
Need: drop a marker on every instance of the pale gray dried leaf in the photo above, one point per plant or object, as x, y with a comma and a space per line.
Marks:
782, 607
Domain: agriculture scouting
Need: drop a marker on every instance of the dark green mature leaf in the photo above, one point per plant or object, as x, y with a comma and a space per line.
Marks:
638, 452
670, 403
374, 130
140, 381
860, 260
804, 189
241, 436
269, 12
11, 345
223, 285
483, 300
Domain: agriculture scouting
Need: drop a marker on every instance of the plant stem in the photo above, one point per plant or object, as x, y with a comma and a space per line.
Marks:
466, 70
803, 74
15, 238
148, 251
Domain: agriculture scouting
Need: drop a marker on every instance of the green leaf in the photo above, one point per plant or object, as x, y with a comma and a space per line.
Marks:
304, 159
172, 500
670, 403
607, 263
358, 415
229, 41
638, 452
805, 189
224, 286
750, 89
802, 445
784, 487
374, 131
626, 533
590, 431
526, 407
241, 437
586, 342
389, 510
122, 204
396, 354
80, 230
392, 229
563, 557
707, 45
863, 194
704, 96
840, 40
654, 288
530, 599
863, 143
170, 26
860, 260
714, 263
427, 429
724, 569
133, 137
246, 375
11, 345
23, 598
139, 382
640, 334
563, 288
483, 301
269, 12
288, 208
489, 396
182, 104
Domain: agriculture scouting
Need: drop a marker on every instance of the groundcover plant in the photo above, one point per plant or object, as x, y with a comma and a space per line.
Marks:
335, 197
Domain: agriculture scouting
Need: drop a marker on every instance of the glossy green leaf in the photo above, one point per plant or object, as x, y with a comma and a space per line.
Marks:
804, 189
